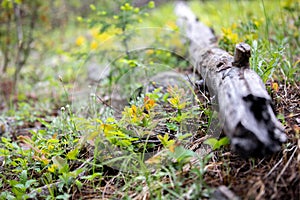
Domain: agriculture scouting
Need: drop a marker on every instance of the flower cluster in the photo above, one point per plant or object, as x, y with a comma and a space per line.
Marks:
241, 32
140, 115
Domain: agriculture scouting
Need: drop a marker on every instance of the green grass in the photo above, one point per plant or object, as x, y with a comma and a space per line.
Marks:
52, 144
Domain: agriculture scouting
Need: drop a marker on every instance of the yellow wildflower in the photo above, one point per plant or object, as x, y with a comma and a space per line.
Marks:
232, 37
275, 87
94, 45
80, 40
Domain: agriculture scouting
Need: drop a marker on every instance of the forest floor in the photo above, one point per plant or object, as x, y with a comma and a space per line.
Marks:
66, 135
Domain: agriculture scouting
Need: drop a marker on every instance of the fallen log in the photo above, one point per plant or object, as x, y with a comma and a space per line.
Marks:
242, 101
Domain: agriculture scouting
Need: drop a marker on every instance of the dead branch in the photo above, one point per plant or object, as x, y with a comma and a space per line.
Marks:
243, 103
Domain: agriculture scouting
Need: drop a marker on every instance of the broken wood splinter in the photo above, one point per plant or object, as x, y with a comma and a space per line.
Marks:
241, 55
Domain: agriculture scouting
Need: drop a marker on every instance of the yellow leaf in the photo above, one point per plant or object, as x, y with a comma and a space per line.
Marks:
110, 120
107, 127
133, 111
50, 147
150, 51
91, 136
174, 101
154, 160
52, 168
172, 147
44, 160
172, 25
54, 136
160, 137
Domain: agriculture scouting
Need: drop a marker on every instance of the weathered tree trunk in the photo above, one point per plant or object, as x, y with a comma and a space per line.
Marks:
242, 101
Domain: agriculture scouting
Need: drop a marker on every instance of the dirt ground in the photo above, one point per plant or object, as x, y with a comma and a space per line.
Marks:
275, 177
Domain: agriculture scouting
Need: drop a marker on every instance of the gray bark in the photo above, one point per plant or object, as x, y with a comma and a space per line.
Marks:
244, 105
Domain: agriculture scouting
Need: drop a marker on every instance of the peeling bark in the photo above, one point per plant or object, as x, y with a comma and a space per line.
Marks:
244, 105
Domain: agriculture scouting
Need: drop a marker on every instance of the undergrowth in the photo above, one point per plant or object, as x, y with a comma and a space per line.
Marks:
53, 146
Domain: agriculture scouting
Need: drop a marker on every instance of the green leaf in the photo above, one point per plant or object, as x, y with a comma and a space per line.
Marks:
165, 140
211, 142
23, 176
54, 141
76, 172
93, 7
224, 141
72, 155
182, 155
29, 183
20, 186
18, 1
172, 126
151, 4
13, 182
216, 144
7, 4
7, 195
4, 152
92, 177
184, 136
165, 97
65, 196
61, 164
78, 184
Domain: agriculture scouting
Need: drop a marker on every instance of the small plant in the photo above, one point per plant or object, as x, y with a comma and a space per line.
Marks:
216, 144
121, 26
43, 152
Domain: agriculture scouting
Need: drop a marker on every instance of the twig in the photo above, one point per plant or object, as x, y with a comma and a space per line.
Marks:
145, 141
106, 104
287, 164
293, 115
198, 87
106, 186
44, 190
273, 168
